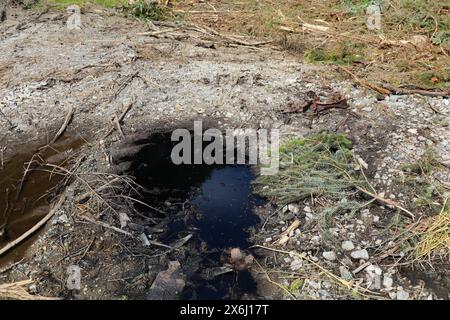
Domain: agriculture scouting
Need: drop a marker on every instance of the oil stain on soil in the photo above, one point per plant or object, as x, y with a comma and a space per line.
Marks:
213, 203
26, 186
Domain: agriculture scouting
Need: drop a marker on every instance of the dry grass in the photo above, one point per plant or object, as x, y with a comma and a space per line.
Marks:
391, 55
388, 56
18, 291
434, 236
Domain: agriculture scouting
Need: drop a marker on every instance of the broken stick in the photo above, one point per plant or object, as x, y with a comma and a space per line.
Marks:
126, 107
423, 92
64, 126
284, 237
365, 83
44, 220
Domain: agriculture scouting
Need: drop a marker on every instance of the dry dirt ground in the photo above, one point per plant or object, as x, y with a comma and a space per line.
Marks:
177, 75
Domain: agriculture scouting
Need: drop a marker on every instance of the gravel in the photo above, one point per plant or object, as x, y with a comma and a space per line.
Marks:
347, 245
329, 255
360, 254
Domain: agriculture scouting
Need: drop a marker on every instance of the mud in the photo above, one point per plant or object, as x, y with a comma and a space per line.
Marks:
28, 183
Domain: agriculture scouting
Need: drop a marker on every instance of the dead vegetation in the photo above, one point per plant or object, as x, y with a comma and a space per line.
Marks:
411, 49
409, 54
433, 235
322, 171
18, 291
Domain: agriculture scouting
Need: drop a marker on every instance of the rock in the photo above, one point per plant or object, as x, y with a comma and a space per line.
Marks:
402, 294
168, 284
63, 219
144, 240
324, 294
412, 131
373, 276
420, 41
235, 255
347, 245
123, 219
296, 264
32, 288
293, 208
309, 216
345, 273
211, 273
269, 239
387, 282
316, 239
238, 260
360, 254
329, 255
136, 227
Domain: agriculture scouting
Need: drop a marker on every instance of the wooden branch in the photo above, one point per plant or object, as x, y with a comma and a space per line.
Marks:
64, 126
88, 194
284, 237
388, 202
38, 225
126, 108
365, 83
211, 32
105, 225
423, 92
156, 33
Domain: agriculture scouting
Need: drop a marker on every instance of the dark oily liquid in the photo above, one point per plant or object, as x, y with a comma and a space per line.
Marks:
220, 202
225, 206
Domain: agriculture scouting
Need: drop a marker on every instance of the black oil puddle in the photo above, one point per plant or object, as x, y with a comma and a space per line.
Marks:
25, 198
214, 203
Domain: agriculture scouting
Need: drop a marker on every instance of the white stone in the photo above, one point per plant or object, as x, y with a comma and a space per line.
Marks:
345, 273
360, 254
293, 208
296, 264
347, 245
329, 255
373, 277
387, 282
402, 295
